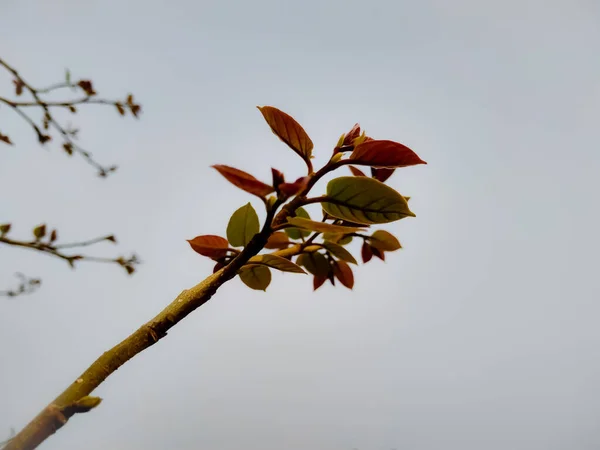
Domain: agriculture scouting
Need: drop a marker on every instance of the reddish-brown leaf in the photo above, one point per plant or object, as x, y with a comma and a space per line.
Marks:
378, 252
381, 174
343, 272
318, 282
218, 266
352, 134
366, 253
288, 130
19, 85
278, 178
86, 86
289, 189
244, 180
278, 240
209, 245
356, 172
4, 138
382, 153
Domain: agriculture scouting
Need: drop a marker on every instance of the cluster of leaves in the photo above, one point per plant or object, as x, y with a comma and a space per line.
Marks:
49, 123
350, 206
47, 242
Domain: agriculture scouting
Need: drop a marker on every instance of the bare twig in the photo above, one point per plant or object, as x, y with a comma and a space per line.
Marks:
50, 247
50, 122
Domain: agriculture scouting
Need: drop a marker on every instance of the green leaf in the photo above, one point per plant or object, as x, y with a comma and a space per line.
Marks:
67, 76
321, 227
256, 277
364, 200
337, 238
295, 233
242, 226
314, 262
276, 262
340, 252
384, 240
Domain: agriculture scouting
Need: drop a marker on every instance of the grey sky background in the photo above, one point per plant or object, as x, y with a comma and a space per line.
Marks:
480, 334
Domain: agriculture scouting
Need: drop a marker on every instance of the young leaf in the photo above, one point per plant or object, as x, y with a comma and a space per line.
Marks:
288, 130
243, 225
4, 138
376, 153
365, 252
383, 240
364, 200
356, 172
295, 233
314, 262
345, 240
321, 227
209, 245
339, 252
337, 238
352, 134
4, 228
276, 262
379, 253
381, 174
39, 231
277, 240
318, 282
244, 180
256, 277
290, 189
343, 272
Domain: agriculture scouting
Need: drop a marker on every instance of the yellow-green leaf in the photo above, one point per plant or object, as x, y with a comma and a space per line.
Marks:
340, 252
288, 130
321, 227
242, 226
295, 233
384, 240
337, 238
314, 262
364, 200
256, 277
276, 262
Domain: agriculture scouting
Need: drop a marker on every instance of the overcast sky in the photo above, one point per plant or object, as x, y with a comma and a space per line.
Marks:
482, 333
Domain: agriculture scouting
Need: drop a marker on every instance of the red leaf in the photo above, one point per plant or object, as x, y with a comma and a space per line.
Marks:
352, 134
356, 172
278, 177
318, 282
288, 130
379, 253
343, 272
381, 174
209, 245
244, 180
277, 240
290, 189
366, 253
381, 153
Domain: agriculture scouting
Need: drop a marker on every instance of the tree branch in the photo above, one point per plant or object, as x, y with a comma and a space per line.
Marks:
49, 121
50, 247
